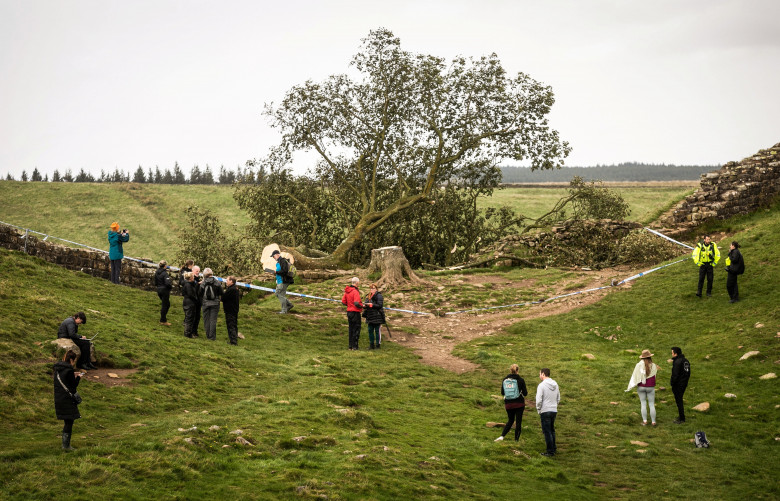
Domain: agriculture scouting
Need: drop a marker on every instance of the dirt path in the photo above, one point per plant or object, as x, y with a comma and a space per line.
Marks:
439, 335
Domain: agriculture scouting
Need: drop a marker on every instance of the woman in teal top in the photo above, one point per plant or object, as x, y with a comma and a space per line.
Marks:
115, 253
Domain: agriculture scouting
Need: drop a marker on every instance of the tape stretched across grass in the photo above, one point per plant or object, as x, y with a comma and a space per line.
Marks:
473, 310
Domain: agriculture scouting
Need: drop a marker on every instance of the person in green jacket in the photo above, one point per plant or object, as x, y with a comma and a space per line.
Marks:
115, 253
706, 255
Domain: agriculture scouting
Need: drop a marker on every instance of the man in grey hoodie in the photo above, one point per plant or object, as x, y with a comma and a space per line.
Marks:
210, 293
547, 397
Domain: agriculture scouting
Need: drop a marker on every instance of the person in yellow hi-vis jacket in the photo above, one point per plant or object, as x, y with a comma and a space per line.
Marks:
706, 255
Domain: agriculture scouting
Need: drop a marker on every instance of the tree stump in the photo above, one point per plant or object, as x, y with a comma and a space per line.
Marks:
393, 265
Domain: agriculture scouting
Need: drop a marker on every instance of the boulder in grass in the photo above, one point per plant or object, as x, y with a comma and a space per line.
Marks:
62, 346
588, 356
770, 375
702, 407
639, 443
749, 354
730, 395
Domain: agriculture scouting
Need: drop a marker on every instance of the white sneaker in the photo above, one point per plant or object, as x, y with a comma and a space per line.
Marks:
499, 439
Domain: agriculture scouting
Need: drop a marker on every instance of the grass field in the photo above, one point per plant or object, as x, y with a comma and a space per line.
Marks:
323, 421
154, 214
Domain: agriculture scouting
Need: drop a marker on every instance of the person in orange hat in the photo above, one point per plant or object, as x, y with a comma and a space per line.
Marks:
115, 252
643, 378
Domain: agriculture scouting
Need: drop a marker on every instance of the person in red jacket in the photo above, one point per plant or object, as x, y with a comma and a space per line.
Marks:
351, 298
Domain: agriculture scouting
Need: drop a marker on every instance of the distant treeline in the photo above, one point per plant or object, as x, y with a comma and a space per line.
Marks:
629, 171
141, 175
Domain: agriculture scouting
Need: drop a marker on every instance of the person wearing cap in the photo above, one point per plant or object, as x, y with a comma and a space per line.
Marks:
706, 255
163, 284
69, 328
643, 378
735, 266
283, 280
351, 299
681, 373
115, 252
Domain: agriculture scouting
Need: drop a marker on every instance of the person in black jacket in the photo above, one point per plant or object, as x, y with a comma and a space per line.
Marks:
197, 278
190, 304
681, 372
230, 304
514, 406
185, 268
375, 317
64, 405
163, 284
735, 266
69, 328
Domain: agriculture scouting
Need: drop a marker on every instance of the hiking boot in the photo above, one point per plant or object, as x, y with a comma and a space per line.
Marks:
499, 439
378, 345
90, 367
371, 346
547, 454
709, 294
291, 307
678, 421
698, 294
66, 443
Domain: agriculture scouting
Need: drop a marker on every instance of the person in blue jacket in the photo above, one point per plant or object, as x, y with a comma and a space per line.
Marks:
115, 253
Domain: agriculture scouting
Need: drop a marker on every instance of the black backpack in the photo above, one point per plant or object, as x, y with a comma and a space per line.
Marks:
700, 439
208, 292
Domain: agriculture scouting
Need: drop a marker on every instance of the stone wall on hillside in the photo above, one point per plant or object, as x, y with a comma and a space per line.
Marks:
737, 188
134, 273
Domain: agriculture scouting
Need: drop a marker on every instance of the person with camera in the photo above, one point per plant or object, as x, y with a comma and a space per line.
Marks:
351, 299
66, 397
115, 252
69, 328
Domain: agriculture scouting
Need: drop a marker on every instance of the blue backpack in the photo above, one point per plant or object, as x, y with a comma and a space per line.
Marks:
511, 389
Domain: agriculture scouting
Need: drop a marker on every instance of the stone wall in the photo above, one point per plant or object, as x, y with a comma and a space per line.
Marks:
737, 188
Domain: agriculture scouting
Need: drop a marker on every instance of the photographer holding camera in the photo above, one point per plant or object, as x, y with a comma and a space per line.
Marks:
115, 253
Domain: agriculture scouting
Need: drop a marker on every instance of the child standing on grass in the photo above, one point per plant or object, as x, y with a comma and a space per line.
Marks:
643, 378
514, 390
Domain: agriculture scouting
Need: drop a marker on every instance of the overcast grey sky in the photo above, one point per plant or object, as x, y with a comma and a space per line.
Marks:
102, 84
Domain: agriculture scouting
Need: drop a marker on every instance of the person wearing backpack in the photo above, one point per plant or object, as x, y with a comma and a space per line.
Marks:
643, 378
163, 284
735, 266
681, 373
375, 317
283, 280
210, 293
514, 390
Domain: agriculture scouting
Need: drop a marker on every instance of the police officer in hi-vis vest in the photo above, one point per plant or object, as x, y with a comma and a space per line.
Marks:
706, 255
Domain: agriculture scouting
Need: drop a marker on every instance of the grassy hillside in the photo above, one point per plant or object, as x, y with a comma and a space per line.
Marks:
378, 424
154, 214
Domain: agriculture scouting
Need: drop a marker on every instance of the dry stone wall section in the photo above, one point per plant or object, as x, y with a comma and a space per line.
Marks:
737, 188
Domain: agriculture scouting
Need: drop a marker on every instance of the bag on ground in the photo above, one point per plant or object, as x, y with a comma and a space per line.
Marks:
511, 389
700, 439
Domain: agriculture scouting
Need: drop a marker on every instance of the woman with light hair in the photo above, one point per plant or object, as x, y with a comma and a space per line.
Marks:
643, 378
514, 390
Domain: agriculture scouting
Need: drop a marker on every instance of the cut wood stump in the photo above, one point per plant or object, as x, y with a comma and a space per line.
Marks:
392, 263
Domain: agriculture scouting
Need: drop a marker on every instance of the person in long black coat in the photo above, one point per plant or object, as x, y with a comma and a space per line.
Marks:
66, 409
230, 304
69, 328
735, 266
190, 304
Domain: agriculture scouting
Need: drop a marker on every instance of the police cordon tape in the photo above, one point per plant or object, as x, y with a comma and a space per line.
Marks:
308, 296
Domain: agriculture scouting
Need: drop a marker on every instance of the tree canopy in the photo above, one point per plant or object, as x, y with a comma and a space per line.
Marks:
389, 136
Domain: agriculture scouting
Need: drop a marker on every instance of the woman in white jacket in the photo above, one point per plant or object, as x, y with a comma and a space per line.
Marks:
643, 378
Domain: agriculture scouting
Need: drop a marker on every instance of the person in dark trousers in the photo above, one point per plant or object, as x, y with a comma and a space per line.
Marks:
210, 294
283, 280
64, 406
375, 317
69, 328
514, 406
681, 373
197, 279
115, 252
351, 298
706, 255
190, 304
230, 304
548, 395
735, 266
163, 284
